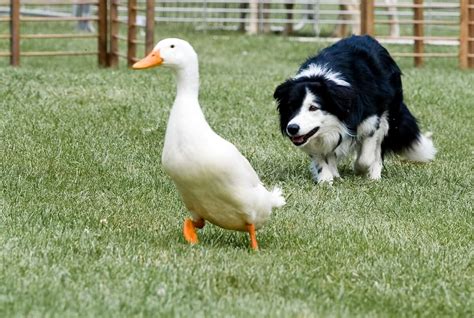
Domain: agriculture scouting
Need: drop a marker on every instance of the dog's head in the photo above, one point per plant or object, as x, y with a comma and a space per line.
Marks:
308, 104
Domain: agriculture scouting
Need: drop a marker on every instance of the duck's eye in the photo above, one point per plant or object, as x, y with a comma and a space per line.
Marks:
313, 108
172, 46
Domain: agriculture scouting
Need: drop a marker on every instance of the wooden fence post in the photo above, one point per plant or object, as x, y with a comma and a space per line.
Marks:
102, 30
464, 34
418, 30
265, 16
288, 28
114, 31
15, 32
150, 26
254, 16
132, 32
470, 58
367, 17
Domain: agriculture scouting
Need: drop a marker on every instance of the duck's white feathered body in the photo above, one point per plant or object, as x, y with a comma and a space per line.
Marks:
215, 181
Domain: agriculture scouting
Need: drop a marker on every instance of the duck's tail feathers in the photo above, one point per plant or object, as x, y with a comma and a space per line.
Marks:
277, 198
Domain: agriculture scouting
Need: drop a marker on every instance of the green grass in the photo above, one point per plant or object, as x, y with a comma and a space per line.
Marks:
91, 226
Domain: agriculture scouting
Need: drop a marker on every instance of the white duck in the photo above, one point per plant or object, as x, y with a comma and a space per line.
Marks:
216, 183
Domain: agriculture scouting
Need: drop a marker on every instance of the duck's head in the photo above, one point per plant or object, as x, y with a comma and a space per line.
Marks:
172, 52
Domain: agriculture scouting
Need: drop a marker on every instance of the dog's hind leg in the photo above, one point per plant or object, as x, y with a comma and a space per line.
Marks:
369, 151
366, 155
375, 169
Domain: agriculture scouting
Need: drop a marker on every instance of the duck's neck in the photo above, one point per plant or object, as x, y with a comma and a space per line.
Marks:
187, 81
186, 106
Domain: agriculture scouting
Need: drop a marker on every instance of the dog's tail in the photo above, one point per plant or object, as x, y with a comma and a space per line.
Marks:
422, 150
404, 137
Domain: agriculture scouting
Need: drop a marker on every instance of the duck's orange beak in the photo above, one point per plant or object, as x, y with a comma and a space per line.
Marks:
151, 60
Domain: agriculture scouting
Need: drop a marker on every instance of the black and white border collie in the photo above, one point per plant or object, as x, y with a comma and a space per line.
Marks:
350, 96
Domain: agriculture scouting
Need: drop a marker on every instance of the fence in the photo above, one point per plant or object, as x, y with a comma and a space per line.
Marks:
422, 23
464, 38
419, 22
15, 19
130, 9
108, 54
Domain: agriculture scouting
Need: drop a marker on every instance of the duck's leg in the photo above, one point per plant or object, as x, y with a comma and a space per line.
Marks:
253, 237
189, 230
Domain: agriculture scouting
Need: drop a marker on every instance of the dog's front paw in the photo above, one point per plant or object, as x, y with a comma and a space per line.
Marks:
375, 171
321, 174
325, 179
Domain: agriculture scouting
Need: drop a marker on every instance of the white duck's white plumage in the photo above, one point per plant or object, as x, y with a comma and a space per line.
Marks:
215, 181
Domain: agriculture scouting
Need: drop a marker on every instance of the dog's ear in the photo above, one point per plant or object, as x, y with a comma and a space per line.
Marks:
282, 96
282, 91
341, 97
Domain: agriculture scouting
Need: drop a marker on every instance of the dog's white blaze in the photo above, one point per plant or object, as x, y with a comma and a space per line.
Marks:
307, 120
314, 70
331, 128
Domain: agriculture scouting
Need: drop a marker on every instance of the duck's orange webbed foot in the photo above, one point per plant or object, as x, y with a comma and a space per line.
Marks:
189, 230
253, 236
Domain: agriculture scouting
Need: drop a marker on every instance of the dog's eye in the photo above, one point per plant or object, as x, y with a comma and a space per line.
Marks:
313, 108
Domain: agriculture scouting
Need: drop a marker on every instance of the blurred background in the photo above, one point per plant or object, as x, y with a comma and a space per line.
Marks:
417, 23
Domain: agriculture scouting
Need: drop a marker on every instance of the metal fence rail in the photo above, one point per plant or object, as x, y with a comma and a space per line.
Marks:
418, 22
295, 15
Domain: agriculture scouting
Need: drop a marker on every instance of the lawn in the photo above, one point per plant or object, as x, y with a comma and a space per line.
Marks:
90, 225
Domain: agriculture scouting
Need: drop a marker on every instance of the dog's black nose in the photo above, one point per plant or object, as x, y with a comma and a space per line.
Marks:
292, 129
